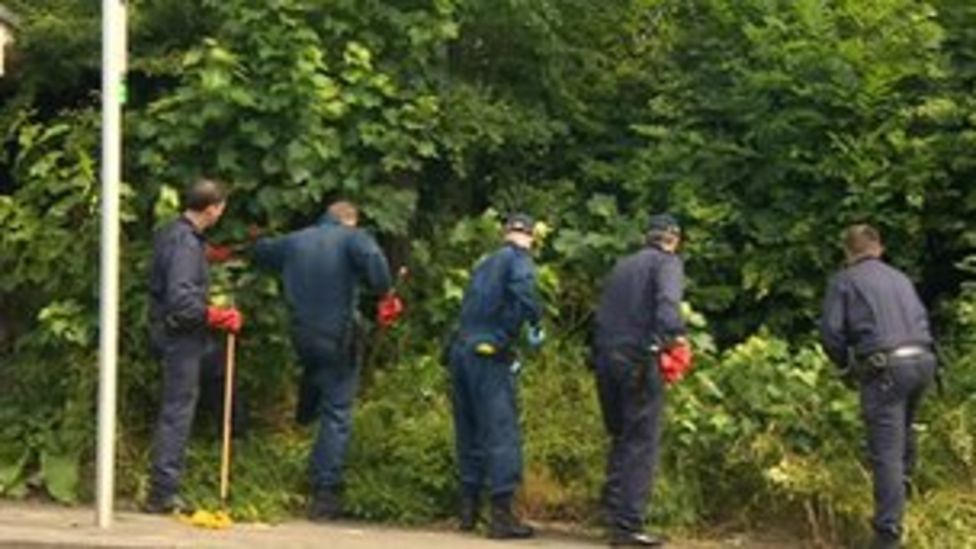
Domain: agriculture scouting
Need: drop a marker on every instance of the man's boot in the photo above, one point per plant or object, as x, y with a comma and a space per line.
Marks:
468, 512
504, 524
165, 505
326, 505
883, 540
623, 538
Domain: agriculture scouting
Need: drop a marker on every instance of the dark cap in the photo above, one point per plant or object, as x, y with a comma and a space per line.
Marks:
519, 222
665, 223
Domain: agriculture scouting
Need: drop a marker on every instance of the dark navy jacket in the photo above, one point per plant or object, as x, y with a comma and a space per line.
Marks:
179, 280
641, 301
321, 267
500, 297
871, 306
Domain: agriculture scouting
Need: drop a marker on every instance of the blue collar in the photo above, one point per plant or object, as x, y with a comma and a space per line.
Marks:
328, 221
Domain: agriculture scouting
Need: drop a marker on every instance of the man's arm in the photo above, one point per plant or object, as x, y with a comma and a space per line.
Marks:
270, 253
668, 293
833, 323
522, 285
186, 294
370, 262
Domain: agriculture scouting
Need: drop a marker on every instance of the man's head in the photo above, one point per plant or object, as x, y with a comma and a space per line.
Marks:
862, 241
520, 230
204, 200
344, 212
663, 231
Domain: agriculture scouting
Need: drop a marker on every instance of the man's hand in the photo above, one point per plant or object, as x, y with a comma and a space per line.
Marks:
218, 254
675, 361
228, 319
389, 309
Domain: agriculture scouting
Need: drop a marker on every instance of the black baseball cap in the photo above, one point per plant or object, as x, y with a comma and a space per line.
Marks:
664, 222
519, 222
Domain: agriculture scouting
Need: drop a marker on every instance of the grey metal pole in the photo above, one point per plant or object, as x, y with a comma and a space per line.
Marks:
113, 62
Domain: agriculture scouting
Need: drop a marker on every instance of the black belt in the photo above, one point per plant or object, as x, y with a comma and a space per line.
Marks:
881, 359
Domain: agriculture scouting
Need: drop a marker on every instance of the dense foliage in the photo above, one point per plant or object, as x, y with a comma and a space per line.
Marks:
766, 125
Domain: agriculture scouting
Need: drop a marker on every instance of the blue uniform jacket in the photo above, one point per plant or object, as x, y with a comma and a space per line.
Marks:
500, 297
321, 267
179, 280
641, 301
870, 307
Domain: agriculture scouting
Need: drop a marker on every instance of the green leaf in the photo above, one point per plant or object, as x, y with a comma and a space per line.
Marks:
60, 472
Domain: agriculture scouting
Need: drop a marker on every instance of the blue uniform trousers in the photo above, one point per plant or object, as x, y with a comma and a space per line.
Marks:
632, 403
486, 425
332, 374
181, 356
889, 400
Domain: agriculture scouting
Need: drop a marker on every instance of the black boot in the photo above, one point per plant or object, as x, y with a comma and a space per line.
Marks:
504, 524
326, 505
468, 512
883, 540
166, 505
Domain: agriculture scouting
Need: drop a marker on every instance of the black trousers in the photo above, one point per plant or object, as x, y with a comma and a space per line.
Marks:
194, 372
632, 403
181, 357
890, 398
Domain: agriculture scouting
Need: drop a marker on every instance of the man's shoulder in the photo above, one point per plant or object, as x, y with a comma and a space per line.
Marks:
516, 256
175, 230
170, 226
873, 270
650, 256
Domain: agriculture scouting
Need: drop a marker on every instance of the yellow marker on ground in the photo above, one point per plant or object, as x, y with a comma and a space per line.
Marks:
219, 520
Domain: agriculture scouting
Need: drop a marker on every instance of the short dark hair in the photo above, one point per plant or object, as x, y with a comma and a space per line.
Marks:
203, 193
861, 240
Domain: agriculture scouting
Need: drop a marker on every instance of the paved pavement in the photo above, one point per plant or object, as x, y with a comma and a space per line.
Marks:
44, 525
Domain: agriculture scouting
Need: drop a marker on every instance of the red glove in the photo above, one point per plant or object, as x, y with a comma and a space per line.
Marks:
389, 309
218, 254
675, 362
225, 318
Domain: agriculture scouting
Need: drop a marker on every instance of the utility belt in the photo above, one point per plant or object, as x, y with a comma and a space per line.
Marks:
871, 364
487, 349
888, 358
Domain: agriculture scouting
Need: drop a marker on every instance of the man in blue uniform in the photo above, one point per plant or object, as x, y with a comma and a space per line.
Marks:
179, 321
499, 299
638, 316
872, 314
321, 267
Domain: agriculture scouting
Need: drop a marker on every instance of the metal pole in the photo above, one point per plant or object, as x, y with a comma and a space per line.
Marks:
113, 55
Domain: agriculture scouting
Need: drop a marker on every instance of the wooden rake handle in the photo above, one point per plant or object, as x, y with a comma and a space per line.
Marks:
228, 418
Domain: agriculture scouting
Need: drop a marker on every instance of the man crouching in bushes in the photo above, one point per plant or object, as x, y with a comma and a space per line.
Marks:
322, 267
